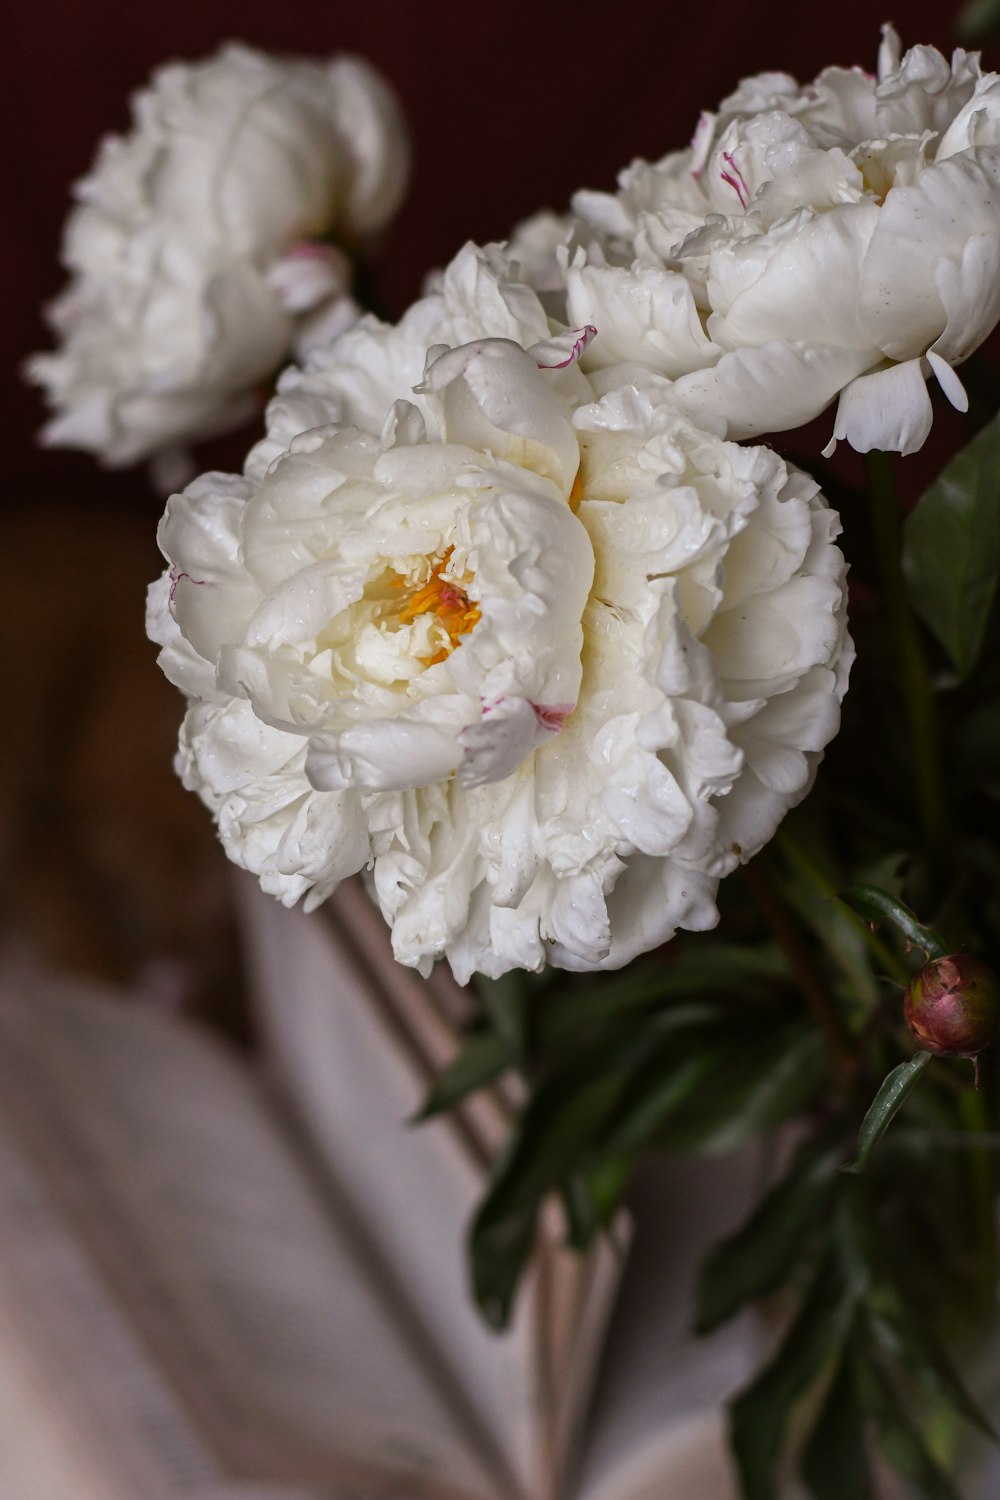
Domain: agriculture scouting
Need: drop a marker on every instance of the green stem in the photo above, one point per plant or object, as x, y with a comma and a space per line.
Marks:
800, 964
918, 697
975, 1116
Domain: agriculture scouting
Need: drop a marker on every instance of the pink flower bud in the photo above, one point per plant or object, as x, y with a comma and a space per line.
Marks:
952, 1005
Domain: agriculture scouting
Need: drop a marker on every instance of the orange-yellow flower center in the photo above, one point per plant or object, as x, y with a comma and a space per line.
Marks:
576, 494
447, 600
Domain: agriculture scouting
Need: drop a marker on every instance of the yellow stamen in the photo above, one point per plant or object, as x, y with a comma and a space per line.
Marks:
576, 493
448, 601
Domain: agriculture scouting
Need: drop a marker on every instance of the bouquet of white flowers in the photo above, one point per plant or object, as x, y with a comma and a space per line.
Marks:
512, 612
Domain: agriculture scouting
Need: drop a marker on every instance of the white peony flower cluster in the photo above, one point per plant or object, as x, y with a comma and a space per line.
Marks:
838, 239
544, 655
202, 248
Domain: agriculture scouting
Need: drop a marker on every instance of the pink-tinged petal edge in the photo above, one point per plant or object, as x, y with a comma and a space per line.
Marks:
583, 338
734, 177
701, 142
317, 250
552, 716
175, 579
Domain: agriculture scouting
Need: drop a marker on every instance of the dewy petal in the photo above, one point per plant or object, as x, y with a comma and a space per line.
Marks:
564, 349
769, 388
535, 570
179, 662
383, 755
977, 124
890, 51
888, 409
918, 227
924, 91
773, 288
767, 642
494, 397
643, 314
969, 289
296, 841
775, 740
484, 295
650, 900
508, 731
211, 596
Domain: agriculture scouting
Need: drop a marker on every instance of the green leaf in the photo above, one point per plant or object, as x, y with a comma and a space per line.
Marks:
582, 1220
561, 1122
759, 1256
759, 1416
878, 906
681, 973
758, 1085
951, 548
506, 1001
905, 1335
661, 1088
810, 888
901, 1441
498, 1250
483, 1058
835, 1462
606, 1182
593, 1196
890, 1097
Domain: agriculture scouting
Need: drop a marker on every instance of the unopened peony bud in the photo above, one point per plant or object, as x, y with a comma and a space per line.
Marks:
952, 1006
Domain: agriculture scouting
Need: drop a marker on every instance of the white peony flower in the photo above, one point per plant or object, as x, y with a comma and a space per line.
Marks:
545, 656
200, 249
838, 238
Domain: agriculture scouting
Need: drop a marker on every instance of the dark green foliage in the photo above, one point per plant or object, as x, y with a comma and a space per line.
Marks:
485, 1056
891, 1095
836, 1463
951, 553
757, 1259
760, 1415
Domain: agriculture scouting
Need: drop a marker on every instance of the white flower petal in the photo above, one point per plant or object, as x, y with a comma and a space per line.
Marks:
383, 755
194, 249
950, 203
889, 409
969, 289
642, 314
495, 398
776, 286
767, 388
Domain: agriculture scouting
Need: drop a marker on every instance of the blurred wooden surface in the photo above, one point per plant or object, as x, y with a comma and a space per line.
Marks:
107, 866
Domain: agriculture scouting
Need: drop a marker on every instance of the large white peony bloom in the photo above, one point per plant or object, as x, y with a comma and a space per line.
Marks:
838, 238
201, 250
548, 658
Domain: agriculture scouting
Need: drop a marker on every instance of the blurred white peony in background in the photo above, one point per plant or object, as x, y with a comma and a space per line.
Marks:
544, 655
213, 241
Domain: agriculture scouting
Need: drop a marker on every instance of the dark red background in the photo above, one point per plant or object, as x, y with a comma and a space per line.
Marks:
512, 107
